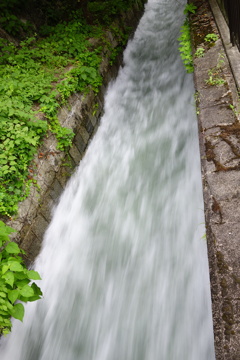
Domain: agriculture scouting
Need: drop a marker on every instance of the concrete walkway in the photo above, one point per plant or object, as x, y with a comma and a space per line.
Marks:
217, 75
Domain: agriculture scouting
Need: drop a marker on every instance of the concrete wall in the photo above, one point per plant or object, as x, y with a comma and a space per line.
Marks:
219, 129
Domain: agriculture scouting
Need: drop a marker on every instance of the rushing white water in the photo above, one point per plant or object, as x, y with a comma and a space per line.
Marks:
124, 268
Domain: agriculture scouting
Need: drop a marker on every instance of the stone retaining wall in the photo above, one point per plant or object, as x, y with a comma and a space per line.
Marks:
52, 168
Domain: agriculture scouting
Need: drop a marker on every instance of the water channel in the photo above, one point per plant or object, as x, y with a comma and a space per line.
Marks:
124, 265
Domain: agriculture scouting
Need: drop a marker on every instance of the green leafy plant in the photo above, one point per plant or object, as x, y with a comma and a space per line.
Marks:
220, 61
197, 101
33, 80
19, 140
215, 74
37, 78
15, 281
13, 25
214, 78
95, 108
199, 52
185, 46
211, 38
235, 110
190, 8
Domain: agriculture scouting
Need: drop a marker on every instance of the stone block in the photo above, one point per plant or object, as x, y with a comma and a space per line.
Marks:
39, 226
75, 154
46, 207
80, 143
56, 190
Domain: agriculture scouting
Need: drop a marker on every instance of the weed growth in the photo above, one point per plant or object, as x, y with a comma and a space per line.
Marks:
215, 74
190, 8
214, 78
199, 52
185, 46
197, 101
234, 110
211, 38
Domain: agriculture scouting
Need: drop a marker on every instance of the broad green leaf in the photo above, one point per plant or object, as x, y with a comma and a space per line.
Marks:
20, 275
5, 269
9, 278
4, 238
18, 311
9, 305
23, 299
26, 291
15, 258
6, 229
34, 298
3, 294
13, 295
12, 248
7, 322
2, 284
15, 266
3, 312
22, 283
33, 275
37, 290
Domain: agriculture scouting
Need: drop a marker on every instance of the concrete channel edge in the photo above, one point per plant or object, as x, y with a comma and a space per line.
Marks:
217, 78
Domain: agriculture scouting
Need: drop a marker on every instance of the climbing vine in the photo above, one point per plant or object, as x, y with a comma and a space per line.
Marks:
16, 284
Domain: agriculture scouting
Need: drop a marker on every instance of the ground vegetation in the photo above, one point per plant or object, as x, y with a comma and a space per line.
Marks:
49, 50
